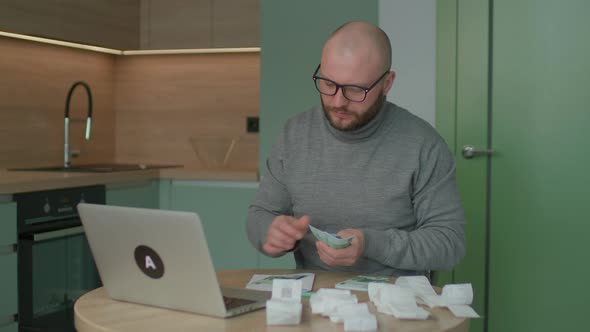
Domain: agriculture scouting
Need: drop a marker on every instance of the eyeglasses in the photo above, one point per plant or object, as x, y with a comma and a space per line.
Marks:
351, 92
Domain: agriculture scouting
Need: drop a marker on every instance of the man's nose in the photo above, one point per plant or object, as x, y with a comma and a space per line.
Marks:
339, 100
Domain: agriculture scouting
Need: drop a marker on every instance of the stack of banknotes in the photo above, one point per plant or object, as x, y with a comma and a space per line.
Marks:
330, 239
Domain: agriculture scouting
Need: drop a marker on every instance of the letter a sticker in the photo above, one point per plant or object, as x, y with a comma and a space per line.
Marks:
149, 262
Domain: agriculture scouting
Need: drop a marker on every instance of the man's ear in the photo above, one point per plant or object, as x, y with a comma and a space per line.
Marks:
389, 78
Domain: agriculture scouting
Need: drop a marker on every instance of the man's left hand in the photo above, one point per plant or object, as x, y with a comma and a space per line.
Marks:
346, 256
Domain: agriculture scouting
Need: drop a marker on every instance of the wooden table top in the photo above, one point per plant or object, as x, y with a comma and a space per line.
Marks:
95, 311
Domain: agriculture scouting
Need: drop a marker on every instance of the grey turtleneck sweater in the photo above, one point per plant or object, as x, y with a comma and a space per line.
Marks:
393, 179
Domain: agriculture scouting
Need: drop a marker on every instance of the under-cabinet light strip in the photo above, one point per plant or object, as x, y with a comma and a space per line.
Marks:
61, 43
195, 51
130, 52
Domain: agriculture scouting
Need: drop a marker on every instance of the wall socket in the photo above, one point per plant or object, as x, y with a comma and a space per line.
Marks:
252, 124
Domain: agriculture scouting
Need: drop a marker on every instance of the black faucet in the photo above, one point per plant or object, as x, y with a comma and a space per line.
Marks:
67, 120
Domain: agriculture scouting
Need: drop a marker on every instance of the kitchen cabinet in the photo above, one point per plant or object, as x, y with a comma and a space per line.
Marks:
222, 207
141, 24
13, 327
235, 23
178, 24
141, 194
284, 262
107, 23
175, 24
8, 266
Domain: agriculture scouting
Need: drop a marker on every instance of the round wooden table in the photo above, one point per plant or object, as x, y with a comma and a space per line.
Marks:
95, 311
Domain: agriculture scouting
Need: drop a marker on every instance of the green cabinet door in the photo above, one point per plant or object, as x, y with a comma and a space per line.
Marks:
12, 327
8, 288
222, 207
141, 194
286, 261
8, 267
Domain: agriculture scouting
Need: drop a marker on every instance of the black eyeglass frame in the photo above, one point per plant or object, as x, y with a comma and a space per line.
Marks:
340, 86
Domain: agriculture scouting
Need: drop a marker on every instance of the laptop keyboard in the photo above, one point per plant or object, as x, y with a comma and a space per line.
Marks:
232, 302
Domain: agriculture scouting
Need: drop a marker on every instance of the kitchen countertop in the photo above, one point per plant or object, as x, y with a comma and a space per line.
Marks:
12, 182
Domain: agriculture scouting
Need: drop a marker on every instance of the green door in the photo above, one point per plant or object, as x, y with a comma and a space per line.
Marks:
461, 118
540, 184
522, 87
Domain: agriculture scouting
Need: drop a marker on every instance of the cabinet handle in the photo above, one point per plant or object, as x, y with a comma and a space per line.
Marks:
129, 185
58, 234
8, 320
9, 249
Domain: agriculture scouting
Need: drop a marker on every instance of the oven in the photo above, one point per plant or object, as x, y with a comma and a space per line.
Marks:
55, 265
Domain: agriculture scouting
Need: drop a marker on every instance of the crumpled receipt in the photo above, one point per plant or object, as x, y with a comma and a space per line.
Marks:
396, 300
343, 307
284, 307
401, 300
456, 297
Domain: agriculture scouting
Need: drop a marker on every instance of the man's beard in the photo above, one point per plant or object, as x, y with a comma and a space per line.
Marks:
359, 121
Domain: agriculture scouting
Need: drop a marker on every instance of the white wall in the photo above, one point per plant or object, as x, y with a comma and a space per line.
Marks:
411, 27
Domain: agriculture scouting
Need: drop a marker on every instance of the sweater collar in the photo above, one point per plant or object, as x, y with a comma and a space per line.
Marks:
360, 134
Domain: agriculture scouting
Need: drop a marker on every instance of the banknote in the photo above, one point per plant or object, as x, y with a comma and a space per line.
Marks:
320, 235
333, 240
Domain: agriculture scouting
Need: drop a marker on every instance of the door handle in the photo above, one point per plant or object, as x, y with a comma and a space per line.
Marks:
469, 151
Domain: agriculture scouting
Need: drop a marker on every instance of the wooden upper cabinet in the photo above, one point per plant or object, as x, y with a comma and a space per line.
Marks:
235, 23
107, 23
168, 24
137, 24
173, 24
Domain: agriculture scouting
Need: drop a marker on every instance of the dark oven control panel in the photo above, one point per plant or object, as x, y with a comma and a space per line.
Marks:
54, 208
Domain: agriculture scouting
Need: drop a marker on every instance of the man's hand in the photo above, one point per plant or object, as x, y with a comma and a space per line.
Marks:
283, 233
346, 256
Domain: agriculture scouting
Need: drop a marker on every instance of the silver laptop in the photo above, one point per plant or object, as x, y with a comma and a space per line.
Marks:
160, 258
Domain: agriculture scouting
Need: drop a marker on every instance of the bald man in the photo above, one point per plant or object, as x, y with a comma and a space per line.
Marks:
362, 167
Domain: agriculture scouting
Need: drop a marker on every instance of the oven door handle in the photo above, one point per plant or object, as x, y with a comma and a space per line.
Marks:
58, 234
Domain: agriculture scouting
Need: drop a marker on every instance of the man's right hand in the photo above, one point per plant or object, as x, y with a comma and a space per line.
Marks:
283, 233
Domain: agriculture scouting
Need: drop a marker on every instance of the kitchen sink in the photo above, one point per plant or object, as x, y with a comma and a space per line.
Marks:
95, 168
